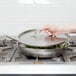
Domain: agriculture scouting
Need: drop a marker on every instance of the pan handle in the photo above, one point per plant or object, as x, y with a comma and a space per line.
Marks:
16, 39
12, 38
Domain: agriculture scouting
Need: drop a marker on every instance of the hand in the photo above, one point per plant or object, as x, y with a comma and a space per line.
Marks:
54, 30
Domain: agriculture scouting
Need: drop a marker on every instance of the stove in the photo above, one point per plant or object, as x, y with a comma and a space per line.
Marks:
10, 53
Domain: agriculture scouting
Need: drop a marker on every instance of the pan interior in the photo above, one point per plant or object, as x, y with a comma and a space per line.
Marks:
40, 39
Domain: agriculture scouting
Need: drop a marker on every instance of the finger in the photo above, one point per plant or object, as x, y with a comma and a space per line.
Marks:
49, 33
44, 28
49, 28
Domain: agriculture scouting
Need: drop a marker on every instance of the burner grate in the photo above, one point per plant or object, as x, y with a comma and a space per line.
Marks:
9, 52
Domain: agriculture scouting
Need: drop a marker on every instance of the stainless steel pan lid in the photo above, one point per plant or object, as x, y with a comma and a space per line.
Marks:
41, 39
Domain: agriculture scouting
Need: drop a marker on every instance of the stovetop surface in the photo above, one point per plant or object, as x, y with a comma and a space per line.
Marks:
10, 53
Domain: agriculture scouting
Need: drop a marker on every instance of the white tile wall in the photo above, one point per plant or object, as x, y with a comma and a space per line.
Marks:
16, 17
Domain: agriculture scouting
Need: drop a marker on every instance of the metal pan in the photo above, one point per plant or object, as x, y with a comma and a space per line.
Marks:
42, 53
41, 45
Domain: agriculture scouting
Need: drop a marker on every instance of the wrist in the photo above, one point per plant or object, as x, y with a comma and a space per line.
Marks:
66, 29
